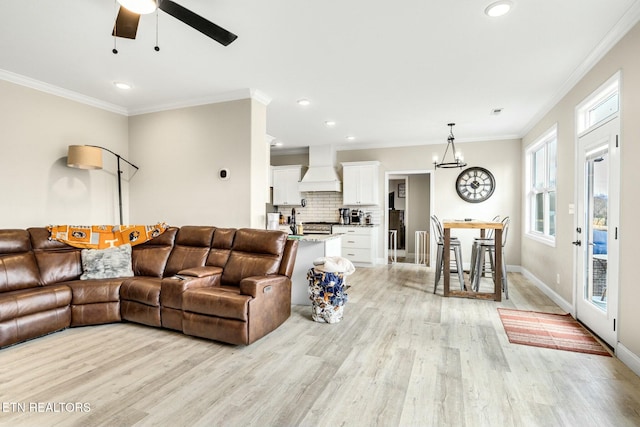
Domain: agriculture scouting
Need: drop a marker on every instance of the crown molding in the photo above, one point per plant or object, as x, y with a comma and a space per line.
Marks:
235, 95
619, 30
58, 91
38, 85
382, 145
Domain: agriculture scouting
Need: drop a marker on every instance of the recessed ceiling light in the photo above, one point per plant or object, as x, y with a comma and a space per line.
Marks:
496, 111
122, 85
498, 8
304, 102
330, 123
350, 138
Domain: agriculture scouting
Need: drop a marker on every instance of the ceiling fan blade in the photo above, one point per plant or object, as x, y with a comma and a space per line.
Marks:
126, 25
193, 20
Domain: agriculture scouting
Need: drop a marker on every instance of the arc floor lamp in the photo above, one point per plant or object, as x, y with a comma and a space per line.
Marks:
90, 157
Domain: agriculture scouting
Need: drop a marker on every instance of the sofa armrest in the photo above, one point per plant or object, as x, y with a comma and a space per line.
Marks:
258, 285
172, 288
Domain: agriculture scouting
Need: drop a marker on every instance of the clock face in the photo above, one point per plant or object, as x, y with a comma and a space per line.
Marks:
475, 184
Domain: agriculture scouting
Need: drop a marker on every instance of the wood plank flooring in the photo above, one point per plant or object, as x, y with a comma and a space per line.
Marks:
402, 356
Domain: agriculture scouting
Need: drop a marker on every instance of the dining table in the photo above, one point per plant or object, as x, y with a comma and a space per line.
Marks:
482, 226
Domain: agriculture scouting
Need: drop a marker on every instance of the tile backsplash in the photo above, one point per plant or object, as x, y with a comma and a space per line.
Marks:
322, 206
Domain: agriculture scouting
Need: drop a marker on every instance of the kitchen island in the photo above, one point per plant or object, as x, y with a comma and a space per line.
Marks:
311, 247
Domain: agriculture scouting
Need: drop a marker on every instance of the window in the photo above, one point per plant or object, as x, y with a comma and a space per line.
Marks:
541, 187
600, 106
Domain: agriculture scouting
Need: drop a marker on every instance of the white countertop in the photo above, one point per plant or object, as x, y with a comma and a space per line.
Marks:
357, 225
315, 237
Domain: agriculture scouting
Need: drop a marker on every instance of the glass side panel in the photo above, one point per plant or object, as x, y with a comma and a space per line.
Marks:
539, 213
551, 150
552, 213
538, 168
598, 208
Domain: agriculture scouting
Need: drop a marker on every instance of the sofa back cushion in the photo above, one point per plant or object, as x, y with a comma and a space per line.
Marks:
57, 261
221, 247
150, 258
254, 253
190, 249
18, 268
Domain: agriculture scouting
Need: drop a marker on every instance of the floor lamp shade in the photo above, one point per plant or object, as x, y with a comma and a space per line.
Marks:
84, 157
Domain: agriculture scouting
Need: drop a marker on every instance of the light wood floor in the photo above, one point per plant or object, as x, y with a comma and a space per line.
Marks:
401, 357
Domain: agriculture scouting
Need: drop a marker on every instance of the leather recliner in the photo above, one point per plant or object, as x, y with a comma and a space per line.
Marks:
238, 280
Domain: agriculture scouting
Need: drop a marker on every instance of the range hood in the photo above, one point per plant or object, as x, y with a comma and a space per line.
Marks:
321, 175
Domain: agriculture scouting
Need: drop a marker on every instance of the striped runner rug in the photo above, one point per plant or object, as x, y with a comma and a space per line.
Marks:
557, 331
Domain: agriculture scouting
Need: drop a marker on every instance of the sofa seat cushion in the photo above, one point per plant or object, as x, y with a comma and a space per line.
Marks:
95, 314
145, 290
34, 300
95, 291
220, 302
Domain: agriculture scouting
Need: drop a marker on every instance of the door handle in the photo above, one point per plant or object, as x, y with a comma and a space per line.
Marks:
577, 243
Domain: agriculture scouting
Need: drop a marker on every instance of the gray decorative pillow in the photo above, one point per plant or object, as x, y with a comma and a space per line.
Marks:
106, 263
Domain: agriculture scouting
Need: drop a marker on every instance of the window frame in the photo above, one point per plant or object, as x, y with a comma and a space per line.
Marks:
599, 97
549, 186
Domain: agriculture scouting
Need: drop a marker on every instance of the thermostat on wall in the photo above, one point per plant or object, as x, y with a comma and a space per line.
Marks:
223, 174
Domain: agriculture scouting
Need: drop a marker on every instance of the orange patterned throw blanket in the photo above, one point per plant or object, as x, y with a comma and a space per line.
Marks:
105, 236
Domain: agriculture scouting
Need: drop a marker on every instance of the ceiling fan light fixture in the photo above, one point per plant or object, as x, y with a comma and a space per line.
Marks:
141, 7
499, 8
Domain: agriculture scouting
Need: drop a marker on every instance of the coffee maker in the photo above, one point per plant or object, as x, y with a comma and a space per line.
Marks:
344, 216
357, 216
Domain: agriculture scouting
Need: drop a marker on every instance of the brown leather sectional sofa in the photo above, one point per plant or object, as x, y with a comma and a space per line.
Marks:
218, 283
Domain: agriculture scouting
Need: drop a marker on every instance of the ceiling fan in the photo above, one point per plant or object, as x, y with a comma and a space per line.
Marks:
128, 17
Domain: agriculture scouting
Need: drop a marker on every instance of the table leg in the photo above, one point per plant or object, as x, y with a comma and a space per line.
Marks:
497, 235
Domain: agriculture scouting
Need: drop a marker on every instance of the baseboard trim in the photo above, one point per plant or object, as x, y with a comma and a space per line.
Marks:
627, 357
555, 297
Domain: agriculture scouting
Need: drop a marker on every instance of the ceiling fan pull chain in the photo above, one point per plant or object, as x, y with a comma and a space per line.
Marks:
157, 48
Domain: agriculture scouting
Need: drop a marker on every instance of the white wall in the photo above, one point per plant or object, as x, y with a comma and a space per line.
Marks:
38, 188
180, 152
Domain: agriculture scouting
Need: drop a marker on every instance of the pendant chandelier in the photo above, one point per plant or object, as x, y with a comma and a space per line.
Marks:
458, 160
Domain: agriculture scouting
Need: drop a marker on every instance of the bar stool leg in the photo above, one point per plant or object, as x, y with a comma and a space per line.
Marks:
505, 285
479, 266
458, 255
438, 267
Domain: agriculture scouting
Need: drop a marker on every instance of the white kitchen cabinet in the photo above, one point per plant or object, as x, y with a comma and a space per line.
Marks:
359, 243
360, 183
285, 185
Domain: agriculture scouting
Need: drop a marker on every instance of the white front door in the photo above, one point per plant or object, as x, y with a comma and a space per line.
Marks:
597, 208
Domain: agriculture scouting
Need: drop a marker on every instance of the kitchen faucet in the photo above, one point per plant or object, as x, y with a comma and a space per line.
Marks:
293, 221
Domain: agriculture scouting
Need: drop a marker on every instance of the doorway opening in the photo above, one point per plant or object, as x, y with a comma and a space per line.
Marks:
407, 220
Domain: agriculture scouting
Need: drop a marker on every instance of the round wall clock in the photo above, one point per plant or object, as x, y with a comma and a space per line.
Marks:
475, 184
